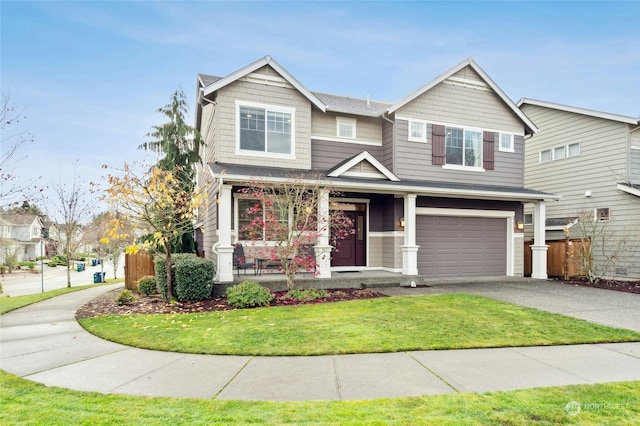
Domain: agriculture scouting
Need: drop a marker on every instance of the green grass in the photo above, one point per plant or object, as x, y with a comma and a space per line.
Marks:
8, 304
390, 324
28, 403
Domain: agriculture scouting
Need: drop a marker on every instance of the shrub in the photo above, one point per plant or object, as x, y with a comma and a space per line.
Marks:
59, 260
126, 298
28, 264
193, 278
248, 294
147, 285
305, 295
161, 272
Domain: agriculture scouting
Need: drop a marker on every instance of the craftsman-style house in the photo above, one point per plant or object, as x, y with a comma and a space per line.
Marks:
434, 182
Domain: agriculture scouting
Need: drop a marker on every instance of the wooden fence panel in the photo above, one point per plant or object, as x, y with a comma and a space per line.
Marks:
136, 266
563, 259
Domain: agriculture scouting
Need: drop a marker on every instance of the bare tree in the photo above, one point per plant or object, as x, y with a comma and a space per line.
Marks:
73, 206
600, 249
10, 145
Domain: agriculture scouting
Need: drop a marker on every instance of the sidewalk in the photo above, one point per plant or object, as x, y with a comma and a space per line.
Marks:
44, 343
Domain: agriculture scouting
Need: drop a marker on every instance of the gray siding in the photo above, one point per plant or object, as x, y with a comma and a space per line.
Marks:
603, 162
368, 129
326, 154
388, 142
413, 161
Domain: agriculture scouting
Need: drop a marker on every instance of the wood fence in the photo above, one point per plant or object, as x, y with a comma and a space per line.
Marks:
137, 266
563, 259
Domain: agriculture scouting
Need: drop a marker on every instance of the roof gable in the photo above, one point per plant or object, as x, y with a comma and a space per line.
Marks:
582, 111
247, 70
479, 77
362, 165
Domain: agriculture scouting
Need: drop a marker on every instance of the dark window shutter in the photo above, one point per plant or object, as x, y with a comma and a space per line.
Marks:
438, 145
488, 150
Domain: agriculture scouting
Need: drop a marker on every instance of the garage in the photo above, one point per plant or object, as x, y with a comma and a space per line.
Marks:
453, 246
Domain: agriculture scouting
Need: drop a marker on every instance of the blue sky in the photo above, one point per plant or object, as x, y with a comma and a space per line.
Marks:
91, 74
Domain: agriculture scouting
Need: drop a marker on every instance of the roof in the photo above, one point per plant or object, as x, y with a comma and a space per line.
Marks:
213, 86
344, 166
242, 173
583, 111
629, 188
349, 105
442, 77
19, 219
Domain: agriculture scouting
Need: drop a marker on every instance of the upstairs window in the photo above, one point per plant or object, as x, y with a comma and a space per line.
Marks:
346, 127
463, 147
573, 149
417, 131
560, 152
506, 142
265, 129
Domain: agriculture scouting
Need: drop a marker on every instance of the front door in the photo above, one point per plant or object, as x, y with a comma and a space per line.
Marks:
351, 251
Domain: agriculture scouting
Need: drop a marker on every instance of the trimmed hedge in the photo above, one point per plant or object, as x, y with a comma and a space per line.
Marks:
192, 276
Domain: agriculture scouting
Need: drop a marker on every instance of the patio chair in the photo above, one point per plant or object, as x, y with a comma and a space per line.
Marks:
240, 261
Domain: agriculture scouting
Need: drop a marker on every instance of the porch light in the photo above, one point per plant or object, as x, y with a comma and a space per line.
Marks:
402, 222
520, 225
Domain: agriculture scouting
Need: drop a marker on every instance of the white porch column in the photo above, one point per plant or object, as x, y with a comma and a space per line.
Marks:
409, 249
224, 247
539, 247
322, 248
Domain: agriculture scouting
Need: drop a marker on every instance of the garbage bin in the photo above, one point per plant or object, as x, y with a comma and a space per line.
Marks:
80, 267
94, 262
98, 277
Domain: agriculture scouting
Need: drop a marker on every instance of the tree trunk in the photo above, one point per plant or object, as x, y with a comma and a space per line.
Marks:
68, 272
169, 283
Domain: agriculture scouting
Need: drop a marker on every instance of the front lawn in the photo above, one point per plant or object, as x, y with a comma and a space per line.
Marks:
390, 324
28, 403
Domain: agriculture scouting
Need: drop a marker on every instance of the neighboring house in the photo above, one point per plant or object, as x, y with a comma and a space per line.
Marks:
20, 236
591, 159
434, 182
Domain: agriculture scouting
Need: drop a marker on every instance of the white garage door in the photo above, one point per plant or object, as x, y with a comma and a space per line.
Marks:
461, 246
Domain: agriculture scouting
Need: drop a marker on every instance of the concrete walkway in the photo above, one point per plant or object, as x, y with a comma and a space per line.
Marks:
44, 343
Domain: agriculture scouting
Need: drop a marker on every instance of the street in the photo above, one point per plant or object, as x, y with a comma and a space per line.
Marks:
20, 283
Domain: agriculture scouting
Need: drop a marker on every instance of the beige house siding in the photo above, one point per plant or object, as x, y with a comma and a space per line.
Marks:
268, 95
466, 106
601, 165
384, 251
324, 125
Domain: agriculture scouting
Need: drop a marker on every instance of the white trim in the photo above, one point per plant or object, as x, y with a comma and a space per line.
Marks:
629, 190
435, 211
459, 125
449, 73
374, 186
345, 140
467, 83
463, 168
267, 107
583, 111
364, 156
267, 60
387, 234
352, 121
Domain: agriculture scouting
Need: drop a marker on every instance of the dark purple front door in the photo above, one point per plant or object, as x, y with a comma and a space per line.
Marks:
351, 251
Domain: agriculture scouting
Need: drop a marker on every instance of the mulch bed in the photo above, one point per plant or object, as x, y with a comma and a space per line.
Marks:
155, 304
617, 285
106, 305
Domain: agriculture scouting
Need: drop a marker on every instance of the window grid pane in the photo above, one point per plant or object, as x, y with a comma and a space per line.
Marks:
454, 143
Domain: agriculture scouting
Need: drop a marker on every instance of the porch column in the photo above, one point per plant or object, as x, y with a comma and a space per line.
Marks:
224, 247
539, 247
409, 249
322, 248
